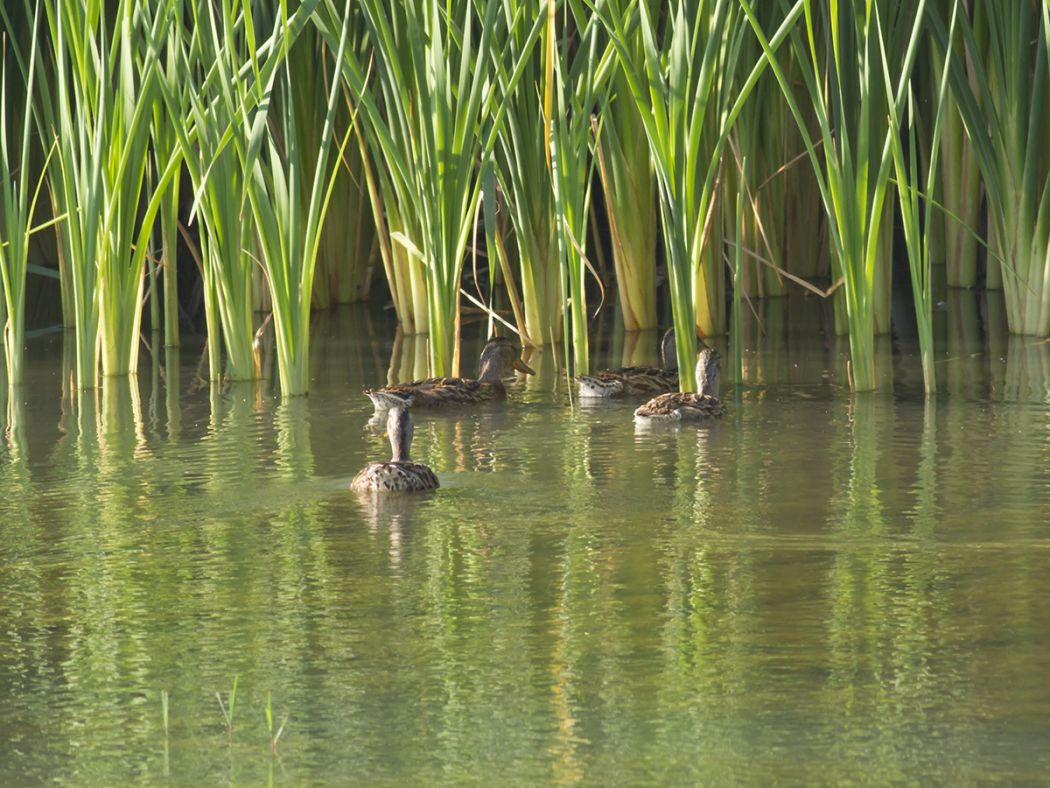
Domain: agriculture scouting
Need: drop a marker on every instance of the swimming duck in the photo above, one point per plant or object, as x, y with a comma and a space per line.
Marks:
704, 404
498, 357
400, 474
628, 381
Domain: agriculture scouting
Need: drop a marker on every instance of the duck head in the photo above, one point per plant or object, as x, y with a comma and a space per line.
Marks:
668, 350
498, 358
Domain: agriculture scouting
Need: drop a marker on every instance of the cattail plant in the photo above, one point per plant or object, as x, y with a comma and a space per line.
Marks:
17, 207
433, 108
844, 80
1001, 92
104, 90
681, 87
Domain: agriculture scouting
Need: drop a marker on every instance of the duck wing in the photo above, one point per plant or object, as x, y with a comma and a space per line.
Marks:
687, 407
627, 381
664, 406
700, 408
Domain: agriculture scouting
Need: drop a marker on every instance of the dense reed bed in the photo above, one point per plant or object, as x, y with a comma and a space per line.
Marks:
494, 155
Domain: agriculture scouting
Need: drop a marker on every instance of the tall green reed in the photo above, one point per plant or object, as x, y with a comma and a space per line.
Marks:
432, 109
958, 188
522, 158
680, 82
576, 83
629, 191
225, 113
214, 55
916, 209
1001, 91
289, 189
17, 207
164, 145
346, 252
759, 138
105, 67
842, 68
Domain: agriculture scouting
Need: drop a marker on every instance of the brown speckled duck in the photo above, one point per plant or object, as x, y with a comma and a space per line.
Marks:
702, 405
400, 474
635, 381
498, 358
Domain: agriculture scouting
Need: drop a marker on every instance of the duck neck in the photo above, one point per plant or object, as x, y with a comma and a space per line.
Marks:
400, 441
707, 380
667, 352
490, 372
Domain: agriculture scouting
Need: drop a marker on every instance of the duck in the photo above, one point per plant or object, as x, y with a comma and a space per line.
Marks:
628, 381
499, 356
702, 405
400, 474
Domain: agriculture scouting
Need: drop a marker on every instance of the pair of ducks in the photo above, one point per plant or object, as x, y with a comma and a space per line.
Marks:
498, 358
669, 404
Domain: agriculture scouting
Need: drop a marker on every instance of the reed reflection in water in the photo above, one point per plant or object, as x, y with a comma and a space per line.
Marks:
818, 585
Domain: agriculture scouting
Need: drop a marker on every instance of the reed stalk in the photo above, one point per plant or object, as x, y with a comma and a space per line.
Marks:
43, 112
737, 264
522, 154
104, 95
680, 83
433, 111
918, 224
1003, 103
221, 135
215, 53
405, 275
347, 247
165, 142
289, 199
630, 192
959, 187
576, 80
17, 208
805, 223
845, 84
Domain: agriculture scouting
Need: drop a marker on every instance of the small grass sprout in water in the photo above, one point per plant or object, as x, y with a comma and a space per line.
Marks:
274, 737
227, 708
164, 717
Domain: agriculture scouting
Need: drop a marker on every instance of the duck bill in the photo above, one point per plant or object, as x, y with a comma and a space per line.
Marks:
521, 366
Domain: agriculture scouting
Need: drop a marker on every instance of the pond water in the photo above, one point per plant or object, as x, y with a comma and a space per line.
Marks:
817, 588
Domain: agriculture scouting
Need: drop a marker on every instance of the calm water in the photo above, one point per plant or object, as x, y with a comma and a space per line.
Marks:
818, 588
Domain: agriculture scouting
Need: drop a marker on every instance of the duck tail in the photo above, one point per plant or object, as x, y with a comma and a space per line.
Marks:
385, 400
595, 387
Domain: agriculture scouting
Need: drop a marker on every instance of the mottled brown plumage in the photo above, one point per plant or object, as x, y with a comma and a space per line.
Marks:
702, 405
498, 358
635, 381
400, 474
627, 381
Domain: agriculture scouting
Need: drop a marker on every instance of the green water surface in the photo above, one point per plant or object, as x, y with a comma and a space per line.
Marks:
819, 588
